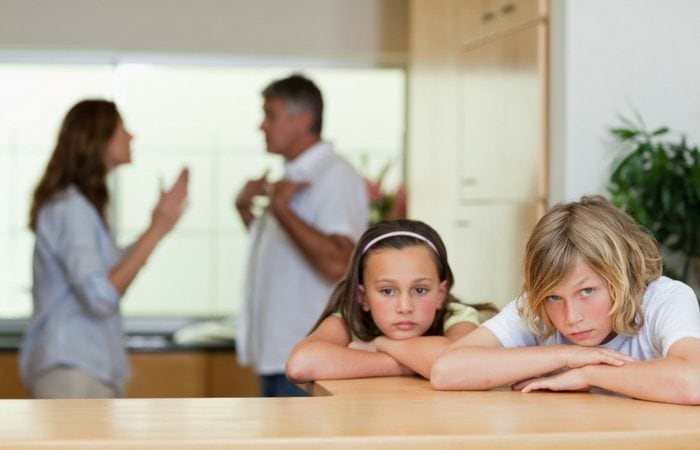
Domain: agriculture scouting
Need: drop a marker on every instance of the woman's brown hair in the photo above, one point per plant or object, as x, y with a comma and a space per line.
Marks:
79, 156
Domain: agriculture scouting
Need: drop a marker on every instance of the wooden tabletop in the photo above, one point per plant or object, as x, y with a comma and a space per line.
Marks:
387, 413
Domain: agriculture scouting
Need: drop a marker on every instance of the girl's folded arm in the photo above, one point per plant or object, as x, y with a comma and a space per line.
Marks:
419, 353
324, 355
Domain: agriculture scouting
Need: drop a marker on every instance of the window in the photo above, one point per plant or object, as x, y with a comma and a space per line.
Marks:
205, 117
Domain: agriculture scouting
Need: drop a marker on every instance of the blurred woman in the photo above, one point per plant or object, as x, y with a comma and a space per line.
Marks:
74, 346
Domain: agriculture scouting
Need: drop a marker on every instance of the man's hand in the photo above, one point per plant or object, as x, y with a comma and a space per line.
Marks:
244, 199
282, 192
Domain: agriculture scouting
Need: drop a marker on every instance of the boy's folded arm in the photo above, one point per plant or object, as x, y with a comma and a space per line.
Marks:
478, 361
671, 379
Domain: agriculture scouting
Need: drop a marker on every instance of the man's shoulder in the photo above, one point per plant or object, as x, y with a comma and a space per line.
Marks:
336, 168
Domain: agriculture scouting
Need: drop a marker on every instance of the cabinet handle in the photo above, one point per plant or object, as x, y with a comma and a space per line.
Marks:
462, 223
487, 16
469, 181
507, 8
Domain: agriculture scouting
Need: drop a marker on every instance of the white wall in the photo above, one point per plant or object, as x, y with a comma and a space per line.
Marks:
374, 30
609, 58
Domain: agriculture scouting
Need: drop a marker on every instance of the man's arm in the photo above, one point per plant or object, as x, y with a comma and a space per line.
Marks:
244, 199
328, 253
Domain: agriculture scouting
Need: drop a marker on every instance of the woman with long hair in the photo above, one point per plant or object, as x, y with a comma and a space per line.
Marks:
74, 347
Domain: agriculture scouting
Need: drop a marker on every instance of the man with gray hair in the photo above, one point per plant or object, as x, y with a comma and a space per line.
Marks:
300, 245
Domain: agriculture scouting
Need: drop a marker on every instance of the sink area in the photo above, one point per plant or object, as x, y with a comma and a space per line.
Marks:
142, 334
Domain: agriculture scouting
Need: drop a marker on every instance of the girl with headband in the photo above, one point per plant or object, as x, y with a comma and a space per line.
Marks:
392, 314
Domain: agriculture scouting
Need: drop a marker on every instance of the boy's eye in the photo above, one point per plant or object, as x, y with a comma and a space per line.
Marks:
587, 292
552, 298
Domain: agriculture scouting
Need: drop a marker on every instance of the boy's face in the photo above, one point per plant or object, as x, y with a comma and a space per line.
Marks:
579, 307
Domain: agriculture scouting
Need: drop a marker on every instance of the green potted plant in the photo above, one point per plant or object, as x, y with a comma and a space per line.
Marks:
657, 181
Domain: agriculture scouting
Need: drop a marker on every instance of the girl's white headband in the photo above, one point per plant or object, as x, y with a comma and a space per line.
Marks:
399, 233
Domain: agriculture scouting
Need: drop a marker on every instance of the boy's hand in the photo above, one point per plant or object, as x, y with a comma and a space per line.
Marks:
578, 356
568, 380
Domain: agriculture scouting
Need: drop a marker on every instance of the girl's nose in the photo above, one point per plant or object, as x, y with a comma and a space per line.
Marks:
405, 305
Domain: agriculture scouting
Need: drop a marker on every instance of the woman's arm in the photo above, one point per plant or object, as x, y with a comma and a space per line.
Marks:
165, 215
479, 362
419, 353
673, 379
324, 355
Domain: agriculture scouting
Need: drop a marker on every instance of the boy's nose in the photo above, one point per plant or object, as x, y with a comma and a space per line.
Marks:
573, 314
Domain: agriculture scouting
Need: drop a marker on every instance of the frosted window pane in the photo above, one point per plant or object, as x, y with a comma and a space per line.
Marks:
33, 100
202, 117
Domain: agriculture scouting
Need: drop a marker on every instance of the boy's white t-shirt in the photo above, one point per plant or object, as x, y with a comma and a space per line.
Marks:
671, 312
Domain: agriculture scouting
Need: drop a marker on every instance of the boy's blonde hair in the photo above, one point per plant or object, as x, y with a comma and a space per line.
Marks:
607, 239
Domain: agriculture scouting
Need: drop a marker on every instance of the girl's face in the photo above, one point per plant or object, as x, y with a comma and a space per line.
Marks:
579, 307
118, 149
402, 290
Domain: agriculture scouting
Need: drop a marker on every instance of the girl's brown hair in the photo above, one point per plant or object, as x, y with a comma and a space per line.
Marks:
79, 156
344, 299
610, 241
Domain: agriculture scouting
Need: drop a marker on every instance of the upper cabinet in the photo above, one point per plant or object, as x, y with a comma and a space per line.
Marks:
479, 19
502, 91
477, 143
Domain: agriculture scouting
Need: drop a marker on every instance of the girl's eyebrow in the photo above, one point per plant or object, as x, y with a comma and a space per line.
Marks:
386, 279
423, 279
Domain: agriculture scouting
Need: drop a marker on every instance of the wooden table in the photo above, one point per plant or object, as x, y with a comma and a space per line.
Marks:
391, 413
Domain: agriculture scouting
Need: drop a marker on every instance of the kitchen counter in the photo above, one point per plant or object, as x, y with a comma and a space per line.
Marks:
386, 413
142, 335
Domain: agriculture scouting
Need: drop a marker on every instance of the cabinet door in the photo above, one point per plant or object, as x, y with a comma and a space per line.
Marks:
10, 384
480, 19
228, 379
502, 151
168, 374
486, 250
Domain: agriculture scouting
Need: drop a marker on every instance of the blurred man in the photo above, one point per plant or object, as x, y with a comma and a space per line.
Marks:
301, 244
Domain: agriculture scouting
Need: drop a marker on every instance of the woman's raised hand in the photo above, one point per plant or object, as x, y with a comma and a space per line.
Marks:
171, 204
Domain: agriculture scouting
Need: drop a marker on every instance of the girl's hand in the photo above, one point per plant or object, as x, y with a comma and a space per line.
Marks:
568, 380
171, 204
366, 346
578, 356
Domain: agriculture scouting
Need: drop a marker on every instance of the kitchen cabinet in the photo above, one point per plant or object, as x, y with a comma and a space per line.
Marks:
172, 373
478, 118
211, 373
